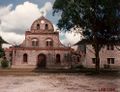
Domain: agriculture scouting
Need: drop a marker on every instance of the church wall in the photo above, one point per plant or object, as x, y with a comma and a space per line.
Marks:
33, 55
42, 40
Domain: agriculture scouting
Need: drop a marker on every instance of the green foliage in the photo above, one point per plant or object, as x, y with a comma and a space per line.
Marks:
99, 19
4, 64
96, 17
1, 52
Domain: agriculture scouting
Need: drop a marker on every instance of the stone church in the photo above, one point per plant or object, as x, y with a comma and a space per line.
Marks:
41, 47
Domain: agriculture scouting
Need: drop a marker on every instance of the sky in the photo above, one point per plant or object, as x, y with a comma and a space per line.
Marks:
16, 17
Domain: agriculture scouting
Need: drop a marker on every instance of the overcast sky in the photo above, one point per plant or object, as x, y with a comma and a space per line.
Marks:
17, 16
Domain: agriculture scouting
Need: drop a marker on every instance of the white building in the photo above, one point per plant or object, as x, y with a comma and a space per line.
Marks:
109, 57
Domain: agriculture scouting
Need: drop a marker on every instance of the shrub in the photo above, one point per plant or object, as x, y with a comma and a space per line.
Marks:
1, 53
79, 67
4, 64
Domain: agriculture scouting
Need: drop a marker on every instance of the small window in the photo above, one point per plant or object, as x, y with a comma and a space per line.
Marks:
38, 26
110, 47
25, 58
110, 60
94, 60
35, 42
46, 26
49, 43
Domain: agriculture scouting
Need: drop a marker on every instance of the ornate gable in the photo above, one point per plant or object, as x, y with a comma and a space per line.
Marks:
42, 25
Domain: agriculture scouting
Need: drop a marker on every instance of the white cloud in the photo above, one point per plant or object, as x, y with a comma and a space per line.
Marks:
47, 7
71, 38
20, 19
68, 38
5, 10
13, 38
15, 22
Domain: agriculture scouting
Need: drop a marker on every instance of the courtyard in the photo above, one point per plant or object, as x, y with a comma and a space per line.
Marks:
60, 82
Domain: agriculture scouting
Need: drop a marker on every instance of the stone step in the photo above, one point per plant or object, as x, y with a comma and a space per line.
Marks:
18, 73
24, 66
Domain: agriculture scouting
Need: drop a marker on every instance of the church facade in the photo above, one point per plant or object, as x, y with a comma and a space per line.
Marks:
41, 47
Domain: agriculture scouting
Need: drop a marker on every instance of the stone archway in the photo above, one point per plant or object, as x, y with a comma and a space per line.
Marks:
25, 58
41, 61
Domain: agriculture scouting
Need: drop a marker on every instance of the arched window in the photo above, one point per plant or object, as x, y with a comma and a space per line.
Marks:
25, 58
49, 42
38, 26
46, 26
58, 61
34, 42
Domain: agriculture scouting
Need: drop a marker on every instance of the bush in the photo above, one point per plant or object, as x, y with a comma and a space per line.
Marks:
4, 64
78, 67
1, 53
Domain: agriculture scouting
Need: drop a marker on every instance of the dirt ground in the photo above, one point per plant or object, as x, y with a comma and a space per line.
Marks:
59, 83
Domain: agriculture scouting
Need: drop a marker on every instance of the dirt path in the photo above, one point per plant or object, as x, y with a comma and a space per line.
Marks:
59, 83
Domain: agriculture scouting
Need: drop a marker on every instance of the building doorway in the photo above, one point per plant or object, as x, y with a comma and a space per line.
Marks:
25, 58
58, 61
41, 61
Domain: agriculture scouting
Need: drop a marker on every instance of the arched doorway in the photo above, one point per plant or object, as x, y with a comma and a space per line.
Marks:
41, 61
58, 61
25, 58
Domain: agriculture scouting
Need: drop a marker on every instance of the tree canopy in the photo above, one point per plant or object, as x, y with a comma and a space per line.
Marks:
99, 19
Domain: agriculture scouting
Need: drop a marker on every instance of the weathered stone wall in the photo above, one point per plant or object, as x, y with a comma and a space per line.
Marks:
42, 40
33, 56
104, 54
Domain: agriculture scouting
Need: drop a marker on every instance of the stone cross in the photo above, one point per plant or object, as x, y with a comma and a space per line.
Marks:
42, 13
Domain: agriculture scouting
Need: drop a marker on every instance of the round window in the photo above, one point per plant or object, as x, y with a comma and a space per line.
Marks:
42, 21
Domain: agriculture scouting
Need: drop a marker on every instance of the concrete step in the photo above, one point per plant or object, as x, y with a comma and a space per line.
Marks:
24, 66
58, 67
17, 71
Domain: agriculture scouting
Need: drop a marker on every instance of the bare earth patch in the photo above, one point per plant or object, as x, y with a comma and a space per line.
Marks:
59, 83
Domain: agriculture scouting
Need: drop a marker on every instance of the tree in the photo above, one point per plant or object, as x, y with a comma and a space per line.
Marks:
1, 52
1, 49
99, 19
